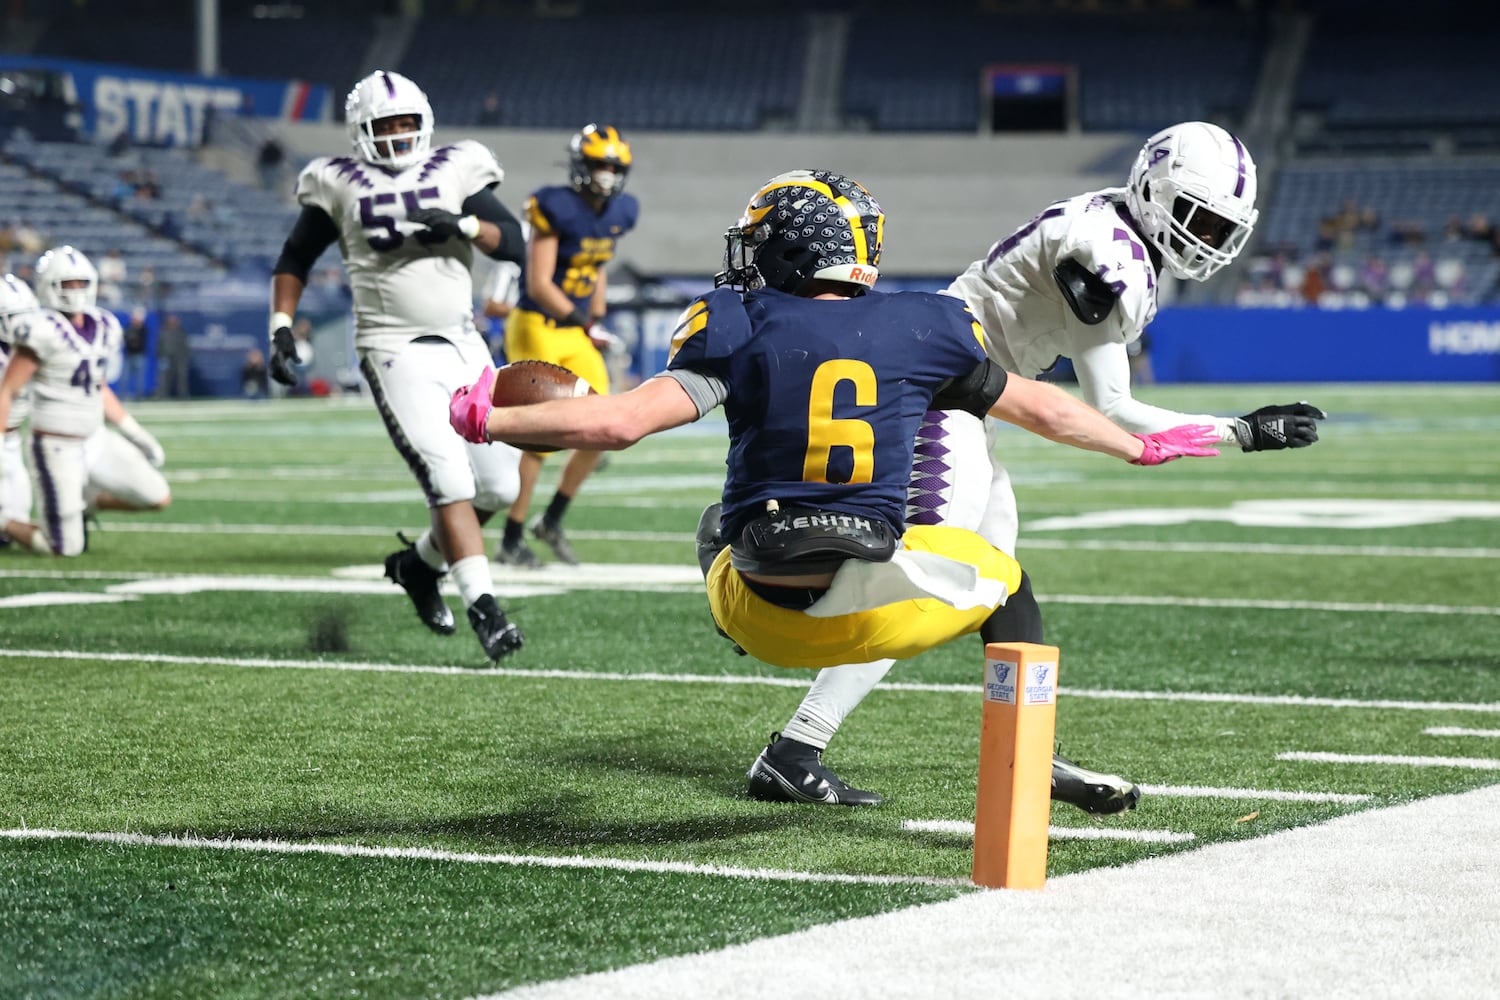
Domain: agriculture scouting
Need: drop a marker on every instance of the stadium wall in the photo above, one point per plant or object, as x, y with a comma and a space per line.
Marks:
947, 198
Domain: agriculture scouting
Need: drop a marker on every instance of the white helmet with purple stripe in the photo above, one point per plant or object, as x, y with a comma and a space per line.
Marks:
66, 280
1192, 191
16, 298
380, 96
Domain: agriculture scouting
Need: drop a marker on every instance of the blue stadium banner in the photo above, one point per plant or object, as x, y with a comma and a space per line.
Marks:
162, 108
1027, 80
1320, 345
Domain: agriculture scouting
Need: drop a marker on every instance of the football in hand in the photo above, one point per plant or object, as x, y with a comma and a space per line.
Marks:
523, 382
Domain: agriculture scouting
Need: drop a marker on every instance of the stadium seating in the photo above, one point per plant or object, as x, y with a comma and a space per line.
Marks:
911, 72
721, 72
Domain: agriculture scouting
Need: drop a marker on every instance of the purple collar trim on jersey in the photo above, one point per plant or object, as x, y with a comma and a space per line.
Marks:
89, 330
1239, 151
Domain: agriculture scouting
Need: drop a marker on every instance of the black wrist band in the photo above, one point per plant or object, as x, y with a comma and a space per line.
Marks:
575, 318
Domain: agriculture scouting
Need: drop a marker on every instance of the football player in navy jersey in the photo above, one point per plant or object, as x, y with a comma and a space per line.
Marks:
1078, 281
809, 560
575, 228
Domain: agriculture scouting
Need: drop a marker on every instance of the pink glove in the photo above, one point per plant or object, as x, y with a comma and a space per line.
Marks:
1193, 440
469, 409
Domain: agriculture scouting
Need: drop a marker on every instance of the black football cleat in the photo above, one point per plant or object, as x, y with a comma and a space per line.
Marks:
497, 634
553, 535
420, 581
519, 555
1099, 794
792, 771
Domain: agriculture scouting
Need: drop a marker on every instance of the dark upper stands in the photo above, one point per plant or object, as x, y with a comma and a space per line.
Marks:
918, 73
642, 71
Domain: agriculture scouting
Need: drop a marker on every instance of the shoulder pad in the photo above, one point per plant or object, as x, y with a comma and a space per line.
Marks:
1089, 296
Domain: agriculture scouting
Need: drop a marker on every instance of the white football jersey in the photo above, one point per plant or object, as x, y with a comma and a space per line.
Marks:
75, 361
405, 283
1028, 324
20, 407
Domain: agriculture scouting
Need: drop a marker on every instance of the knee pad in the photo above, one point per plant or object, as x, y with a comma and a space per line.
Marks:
710, 543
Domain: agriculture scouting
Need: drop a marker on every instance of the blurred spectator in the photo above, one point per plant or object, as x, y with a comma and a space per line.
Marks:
133, 382
1374, 278
489, 112
26, 239
269, 162
1315, 281
1481, 230
1454, 230
175, 354
253, 376
112, 273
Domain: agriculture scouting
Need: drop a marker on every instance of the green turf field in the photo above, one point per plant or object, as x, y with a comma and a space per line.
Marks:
297, 791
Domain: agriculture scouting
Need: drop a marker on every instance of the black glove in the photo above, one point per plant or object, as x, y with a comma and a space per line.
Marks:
284, 356
444, 225
1294, 425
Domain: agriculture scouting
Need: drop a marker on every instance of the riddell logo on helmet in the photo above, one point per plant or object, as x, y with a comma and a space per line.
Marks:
863, 276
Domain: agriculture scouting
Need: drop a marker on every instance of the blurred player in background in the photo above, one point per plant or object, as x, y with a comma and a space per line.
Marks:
66, 350
16, 300
1078, 281
574, 231
408, 219
498, 288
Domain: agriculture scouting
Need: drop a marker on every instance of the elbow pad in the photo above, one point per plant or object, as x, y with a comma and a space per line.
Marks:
1087, 294
975, 392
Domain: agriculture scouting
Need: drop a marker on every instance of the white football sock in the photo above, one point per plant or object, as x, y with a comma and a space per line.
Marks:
472, 575
833, 695
428, 551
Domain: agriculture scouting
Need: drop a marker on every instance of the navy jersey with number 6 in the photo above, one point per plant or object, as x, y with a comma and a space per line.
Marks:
825, 395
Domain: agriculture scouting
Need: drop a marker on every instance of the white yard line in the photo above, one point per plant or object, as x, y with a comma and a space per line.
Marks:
1491, 734
799, 679
961, 828
1252, 794
1381, 903
1466, 763
150, 526
575, 861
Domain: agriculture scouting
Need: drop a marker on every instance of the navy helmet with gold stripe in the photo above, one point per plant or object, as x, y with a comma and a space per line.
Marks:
598, 160
804, 226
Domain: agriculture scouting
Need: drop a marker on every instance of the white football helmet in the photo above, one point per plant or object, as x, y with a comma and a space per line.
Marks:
388, 95
1192, 190
62, 264
16, 298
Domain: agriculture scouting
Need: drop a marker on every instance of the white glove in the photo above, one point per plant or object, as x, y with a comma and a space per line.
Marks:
142, 439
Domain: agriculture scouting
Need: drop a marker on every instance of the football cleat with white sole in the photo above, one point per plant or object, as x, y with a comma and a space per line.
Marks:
420, 581
553, 535
497, 634
792, 771
1099, 794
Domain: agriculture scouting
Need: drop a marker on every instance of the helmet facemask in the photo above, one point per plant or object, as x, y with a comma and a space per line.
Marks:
1192, 192
66, 281
376, 103
599, 161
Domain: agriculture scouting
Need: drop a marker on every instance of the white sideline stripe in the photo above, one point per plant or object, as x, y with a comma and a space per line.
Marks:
964, 829
1260, 548
43, 599
800, 681
1236, 602
1260, 794
1493, 734
622, 576
1190, 924
1469, 763
463, 857
686, 538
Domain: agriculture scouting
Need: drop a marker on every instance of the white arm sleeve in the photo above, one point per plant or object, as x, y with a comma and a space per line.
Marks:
1104, 376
